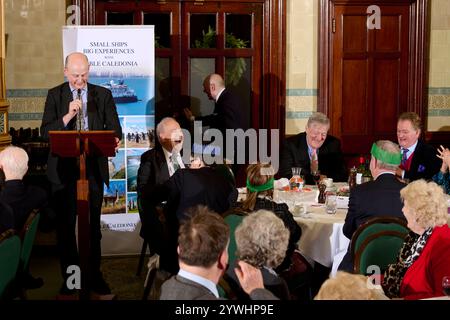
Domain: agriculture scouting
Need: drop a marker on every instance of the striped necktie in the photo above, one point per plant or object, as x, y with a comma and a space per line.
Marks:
175, 165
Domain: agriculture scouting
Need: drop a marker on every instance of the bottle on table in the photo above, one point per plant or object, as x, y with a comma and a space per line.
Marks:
352, 178
360, 171
367, 175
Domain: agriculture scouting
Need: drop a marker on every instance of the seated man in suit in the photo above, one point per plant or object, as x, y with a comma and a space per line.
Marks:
21, 198
313, 150
203, 259
419, 159
377, 198
157, 166
6, 217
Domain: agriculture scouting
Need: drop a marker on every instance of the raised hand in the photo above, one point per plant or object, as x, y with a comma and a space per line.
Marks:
249, 277
444, 154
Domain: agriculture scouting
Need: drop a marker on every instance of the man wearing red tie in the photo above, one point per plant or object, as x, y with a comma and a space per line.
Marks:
419, 159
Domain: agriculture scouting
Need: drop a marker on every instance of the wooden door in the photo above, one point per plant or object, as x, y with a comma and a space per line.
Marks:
371, 72
260, 63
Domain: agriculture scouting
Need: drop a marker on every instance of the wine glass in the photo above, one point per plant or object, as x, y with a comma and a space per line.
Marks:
446, 285
296, 171
316, 176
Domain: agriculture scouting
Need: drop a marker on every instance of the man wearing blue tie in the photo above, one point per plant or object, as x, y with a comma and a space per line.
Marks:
419, 159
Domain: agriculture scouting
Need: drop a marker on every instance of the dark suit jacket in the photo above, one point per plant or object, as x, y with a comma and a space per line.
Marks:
22, 199
179, 288
228, 113
6, 217
295, 154
185, 189
272, 282
424, 164
153, 171
377, 198
191, 187
102, 115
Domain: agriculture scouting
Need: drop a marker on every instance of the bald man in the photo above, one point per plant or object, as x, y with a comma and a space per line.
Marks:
62, 108
157, 166
229, 113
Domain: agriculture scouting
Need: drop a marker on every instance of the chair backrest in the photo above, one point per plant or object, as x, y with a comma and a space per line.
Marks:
28, 235
233, 220
377, 242
9, 259
225, 171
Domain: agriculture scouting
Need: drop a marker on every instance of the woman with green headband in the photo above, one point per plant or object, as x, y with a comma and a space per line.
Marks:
260, 196
294, 269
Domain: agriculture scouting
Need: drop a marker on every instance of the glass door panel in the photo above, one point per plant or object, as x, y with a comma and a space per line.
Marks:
200, 68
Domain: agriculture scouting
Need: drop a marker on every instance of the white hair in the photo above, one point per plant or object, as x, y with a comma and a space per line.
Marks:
14, 162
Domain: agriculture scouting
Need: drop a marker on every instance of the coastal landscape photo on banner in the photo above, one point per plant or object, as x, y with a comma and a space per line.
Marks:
121, 59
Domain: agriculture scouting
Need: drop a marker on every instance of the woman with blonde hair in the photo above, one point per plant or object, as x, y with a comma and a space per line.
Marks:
347, 286
424, 258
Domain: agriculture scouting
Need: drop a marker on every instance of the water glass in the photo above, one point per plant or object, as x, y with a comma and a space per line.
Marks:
446, 285
296, 171
331, 202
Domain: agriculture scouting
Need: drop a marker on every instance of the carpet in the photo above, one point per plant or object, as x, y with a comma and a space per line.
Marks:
120, 274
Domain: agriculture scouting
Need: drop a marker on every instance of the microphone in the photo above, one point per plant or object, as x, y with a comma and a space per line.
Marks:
80, 116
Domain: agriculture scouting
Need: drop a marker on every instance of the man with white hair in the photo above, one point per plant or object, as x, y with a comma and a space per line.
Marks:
377, 198
21, 198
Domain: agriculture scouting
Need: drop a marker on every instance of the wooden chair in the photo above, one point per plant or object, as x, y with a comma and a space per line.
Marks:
377, 242
9, 262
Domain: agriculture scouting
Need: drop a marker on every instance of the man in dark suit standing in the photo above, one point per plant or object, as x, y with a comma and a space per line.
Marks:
377, 198
419, 159
229, 113
313, 150
157, 166
203, 259
62, 108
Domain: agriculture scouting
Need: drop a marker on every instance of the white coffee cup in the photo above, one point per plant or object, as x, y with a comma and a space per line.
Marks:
328, 182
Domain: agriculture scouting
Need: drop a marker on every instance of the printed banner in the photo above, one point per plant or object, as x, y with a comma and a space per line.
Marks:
122, 59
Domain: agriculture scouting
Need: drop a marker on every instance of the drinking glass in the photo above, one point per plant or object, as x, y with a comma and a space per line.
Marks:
446, 285
296, 171
331, 202
296, 182
316, 176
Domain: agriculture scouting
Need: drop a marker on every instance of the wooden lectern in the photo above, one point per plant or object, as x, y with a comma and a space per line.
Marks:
81, 144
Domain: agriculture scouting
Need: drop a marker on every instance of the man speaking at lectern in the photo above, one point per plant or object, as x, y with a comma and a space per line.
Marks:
62, 108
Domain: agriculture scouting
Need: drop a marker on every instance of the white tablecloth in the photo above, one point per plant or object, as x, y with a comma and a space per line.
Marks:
322, 238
